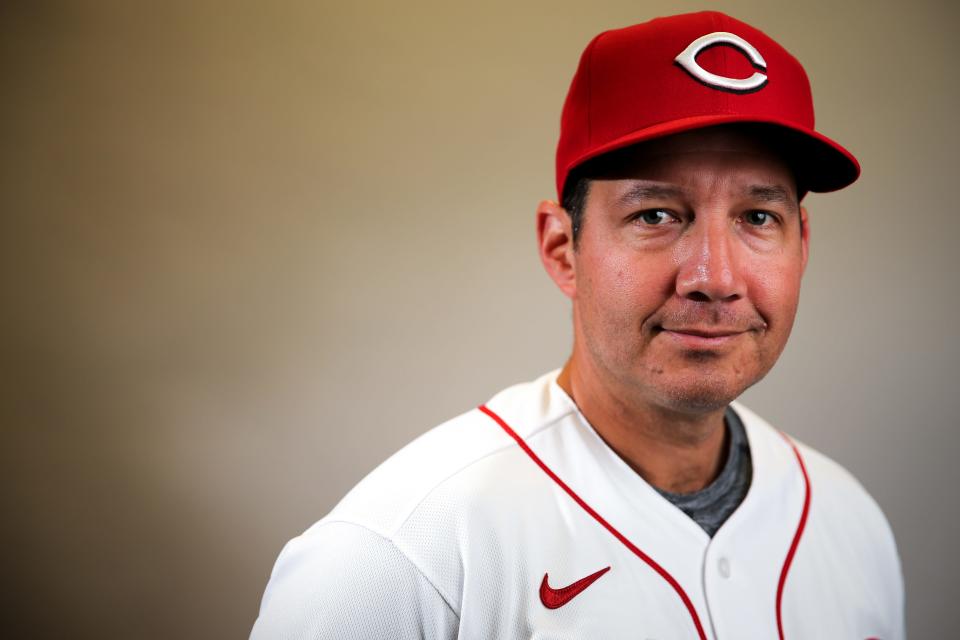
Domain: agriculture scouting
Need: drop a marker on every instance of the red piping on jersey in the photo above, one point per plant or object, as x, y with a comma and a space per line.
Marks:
596, 516
796, 536
650, 561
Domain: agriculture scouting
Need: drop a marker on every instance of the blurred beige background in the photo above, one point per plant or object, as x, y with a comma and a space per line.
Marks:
249, 250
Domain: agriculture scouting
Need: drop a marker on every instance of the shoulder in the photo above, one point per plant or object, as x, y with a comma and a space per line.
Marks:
469, 446
846, 517
419, 514
832, 486
846, 529
346, 581
835, 493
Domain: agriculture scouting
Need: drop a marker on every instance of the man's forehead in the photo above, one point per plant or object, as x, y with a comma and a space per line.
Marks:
722, 139
635, 191
685, 153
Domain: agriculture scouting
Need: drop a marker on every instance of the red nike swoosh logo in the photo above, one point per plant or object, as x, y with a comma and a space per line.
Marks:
556, 598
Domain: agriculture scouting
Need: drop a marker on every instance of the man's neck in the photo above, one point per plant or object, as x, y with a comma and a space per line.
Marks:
673, 451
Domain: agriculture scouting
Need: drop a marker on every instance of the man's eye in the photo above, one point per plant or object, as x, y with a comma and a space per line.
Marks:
654, 216
758, 218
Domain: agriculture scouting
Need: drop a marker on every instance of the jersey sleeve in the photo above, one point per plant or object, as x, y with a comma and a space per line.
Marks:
341, 580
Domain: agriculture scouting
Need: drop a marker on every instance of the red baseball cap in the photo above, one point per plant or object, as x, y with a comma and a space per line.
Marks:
687, 72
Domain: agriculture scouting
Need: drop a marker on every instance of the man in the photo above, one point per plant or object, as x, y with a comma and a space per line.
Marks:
628, 495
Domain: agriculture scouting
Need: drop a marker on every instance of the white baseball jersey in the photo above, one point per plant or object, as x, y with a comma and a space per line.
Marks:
515, 520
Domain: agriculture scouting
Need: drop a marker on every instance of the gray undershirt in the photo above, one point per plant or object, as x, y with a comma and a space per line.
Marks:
711, 506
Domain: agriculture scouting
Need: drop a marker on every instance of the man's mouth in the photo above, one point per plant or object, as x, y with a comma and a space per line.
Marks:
704, 332
702, 337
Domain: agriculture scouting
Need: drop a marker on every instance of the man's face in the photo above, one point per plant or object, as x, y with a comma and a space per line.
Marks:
687, 270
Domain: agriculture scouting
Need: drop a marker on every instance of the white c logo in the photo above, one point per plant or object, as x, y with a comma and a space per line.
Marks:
688, 60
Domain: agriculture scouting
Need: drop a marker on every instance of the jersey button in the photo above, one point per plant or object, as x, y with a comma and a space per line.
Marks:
723, 566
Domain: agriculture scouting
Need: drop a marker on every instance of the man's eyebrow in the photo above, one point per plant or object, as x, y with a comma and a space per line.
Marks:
771, 193
645, 191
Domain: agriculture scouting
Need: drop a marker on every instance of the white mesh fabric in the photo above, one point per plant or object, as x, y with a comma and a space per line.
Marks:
363, 588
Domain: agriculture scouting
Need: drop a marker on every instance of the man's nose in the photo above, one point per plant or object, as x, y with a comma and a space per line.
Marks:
710, 270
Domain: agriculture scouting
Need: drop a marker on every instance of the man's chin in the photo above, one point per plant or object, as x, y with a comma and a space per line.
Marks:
703, 383
697, 404
700, 395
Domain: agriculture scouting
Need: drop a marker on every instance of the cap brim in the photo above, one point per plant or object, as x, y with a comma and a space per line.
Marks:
821, 164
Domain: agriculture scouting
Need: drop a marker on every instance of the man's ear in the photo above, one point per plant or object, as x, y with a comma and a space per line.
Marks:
804, 236
555, 242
